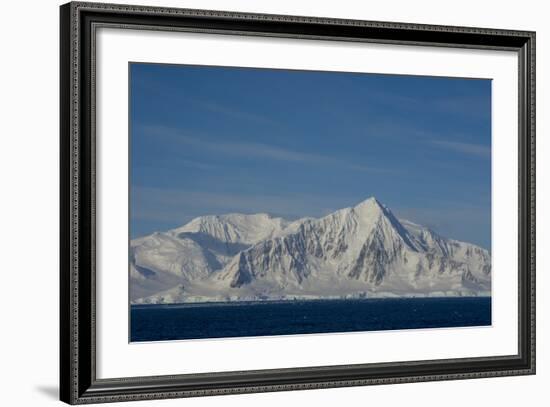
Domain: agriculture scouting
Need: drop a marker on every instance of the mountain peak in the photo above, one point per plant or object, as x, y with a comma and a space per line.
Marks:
370, 201
371, 204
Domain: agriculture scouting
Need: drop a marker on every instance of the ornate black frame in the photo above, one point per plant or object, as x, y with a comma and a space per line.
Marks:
78, 382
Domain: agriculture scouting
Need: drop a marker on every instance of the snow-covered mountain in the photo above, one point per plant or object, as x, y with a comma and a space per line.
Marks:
363, 251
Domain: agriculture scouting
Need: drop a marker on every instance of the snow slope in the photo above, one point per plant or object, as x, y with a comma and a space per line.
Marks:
363, 251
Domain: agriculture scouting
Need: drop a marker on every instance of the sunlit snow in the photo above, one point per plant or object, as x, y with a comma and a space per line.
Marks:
357, 252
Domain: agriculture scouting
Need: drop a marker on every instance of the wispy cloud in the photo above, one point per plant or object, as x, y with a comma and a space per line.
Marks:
468, 104
257, 150
404, 132
239, 114
409, 134
465, 148
153, 85
471, 106
197, 165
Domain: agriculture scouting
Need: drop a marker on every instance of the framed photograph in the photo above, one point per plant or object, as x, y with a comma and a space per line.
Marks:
255, 203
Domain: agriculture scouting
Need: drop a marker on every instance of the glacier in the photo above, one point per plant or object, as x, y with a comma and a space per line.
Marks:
363, 251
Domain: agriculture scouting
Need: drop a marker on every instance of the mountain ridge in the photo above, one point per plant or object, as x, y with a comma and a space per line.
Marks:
359, 251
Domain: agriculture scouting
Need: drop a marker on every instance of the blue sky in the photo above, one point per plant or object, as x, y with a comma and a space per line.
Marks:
212, 140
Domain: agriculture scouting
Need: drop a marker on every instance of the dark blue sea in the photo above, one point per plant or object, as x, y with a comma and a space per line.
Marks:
222, 320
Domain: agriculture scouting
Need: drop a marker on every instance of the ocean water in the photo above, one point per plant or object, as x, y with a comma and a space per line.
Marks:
223, 320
